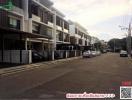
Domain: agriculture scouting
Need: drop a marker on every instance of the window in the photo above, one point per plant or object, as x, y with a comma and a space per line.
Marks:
35, 28
34, 10
66, 37
14, 23
66, 25
50, 18
58, 21
49, 32
59, 36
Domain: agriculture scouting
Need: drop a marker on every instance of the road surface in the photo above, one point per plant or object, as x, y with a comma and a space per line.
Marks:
102, 74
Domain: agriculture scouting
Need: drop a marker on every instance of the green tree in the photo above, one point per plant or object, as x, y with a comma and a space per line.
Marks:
119, 44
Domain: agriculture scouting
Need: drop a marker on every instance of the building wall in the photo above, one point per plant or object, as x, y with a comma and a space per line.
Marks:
78, 32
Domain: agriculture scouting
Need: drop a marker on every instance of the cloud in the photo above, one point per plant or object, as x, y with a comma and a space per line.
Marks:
91, 12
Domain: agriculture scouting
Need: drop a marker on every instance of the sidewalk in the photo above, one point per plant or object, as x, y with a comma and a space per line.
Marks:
22, 68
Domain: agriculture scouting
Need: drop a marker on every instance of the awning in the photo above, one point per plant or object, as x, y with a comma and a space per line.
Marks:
22, 33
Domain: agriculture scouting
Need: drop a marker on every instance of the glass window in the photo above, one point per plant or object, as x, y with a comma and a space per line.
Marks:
49, 32
14, 23
35, 28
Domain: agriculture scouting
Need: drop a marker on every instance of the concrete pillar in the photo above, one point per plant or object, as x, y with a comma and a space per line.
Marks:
25, 17
42, 45
30, 56
66, 54
54, 31
43, 48
54, 36
75, 53
63, 31
80, 53
26, 48
53, 53
25, 8
30, 44
22, 24
30, 25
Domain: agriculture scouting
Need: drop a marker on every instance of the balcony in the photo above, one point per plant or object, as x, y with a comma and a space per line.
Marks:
66, 38
18, 10
58, 28
66, 31
50, 24
36, 18
77, 36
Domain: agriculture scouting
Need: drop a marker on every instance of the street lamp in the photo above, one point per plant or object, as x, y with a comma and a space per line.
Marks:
128, 39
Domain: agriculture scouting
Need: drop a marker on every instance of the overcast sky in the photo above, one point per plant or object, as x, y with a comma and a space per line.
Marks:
100, 17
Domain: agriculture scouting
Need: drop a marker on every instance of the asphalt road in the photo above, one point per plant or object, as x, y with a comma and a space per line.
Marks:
102, 74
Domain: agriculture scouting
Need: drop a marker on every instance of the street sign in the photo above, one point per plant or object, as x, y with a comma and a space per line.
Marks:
7, 6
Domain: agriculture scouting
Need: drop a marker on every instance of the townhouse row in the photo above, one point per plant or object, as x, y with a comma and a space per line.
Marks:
35, 25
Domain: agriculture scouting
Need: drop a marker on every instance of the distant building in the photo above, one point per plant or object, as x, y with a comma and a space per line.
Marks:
79, 34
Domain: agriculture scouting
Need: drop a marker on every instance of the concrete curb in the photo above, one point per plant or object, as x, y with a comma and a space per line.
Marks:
22, 68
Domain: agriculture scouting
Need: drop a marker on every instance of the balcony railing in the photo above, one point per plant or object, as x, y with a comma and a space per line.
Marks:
59, 28
66, 31
36, 18
50, 24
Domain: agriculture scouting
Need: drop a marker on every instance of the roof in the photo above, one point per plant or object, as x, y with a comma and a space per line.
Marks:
78, 25
24, 34
58, 12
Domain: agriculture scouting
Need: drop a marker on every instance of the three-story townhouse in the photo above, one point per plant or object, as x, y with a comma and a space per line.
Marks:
43, 28
79, 34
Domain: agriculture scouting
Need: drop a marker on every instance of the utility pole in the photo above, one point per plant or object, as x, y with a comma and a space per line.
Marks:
129, 40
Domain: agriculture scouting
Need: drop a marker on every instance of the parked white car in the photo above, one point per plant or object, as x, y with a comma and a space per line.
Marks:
87, 54
123, 53
94, 53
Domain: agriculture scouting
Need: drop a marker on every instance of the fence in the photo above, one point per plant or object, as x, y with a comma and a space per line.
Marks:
15, 56
25, 56
62, 54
